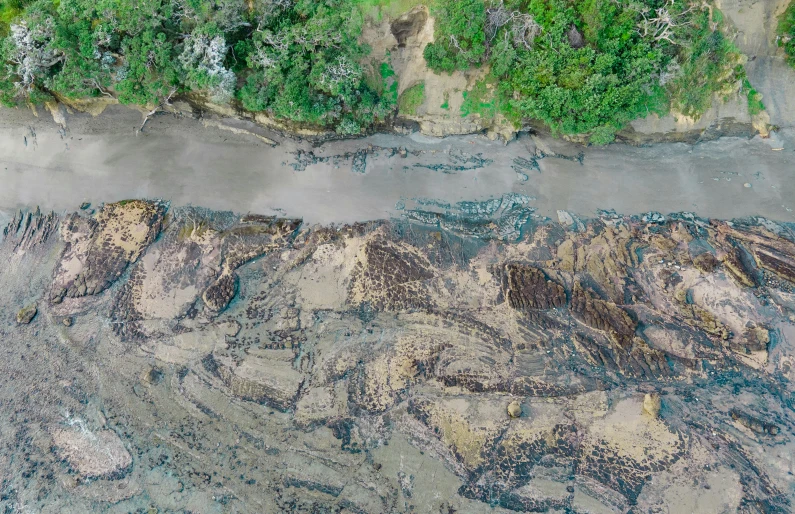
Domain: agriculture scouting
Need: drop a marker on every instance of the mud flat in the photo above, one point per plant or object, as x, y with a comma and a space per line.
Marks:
102, 160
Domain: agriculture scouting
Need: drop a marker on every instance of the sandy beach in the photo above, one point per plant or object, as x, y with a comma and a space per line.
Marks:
102, 160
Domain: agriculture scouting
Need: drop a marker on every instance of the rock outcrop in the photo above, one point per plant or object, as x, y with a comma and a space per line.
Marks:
467, 357
93, 454
195, 261
99, 249
29, 229
529, 288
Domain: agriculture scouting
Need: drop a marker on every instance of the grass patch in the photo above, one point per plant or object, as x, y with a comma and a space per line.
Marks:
188, 230
411, 99
384, 82
654, 102
709, 64
389, 85
446, 104
479, 100
376, 9
487, 102
755, 105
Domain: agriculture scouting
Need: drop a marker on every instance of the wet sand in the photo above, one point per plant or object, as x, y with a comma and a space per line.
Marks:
102, 160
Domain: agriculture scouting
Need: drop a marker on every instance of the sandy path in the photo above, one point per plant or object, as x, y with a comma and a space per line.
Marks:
101, 159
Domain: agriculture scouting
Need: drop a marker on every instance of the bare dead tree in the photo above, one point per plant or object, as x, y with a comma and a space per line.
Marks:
523, 27
660, 24
339, 72
497, 17
269, 7
33, 53
95, 83
277, 41
166, 101
455, 43
671, 72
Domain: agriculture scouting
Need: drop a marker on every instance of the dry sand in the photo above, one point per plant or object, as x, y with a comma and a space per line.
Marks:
101, 160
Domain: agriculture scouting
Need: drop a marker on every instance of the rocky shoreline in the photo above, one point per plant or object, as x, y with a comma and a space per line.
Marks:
471, 358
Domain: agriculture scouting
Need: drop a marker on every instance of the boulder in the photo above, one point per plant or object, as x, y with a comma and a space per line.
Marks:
93, 454
27, 313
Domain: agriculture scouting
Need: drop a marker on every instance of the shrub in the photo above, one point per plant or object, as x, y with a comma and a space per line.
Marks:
601, 84
755, 105
305, 68
786, 32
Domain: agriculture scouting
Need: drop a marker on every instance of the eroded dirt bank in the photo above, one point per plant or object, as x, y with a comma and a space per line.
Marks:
472, 360
101, 160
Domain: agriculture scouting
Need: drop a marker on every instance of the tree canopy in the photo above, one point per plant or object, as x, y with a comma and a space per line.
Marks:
589, 66
299, 60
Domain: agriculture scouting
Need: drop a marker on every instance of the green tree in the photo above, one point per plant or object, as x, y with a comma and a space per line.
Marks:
579, 87
149, 72
459, 37
305, 68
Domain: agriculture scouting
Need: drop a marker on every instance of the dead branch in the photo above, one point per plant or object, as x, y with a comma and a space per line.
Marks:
94, 82
661, 25
166, 101
523, 26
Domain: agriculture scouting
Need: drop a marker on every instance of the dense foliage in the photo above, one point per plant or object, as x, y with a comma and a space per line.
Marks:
459, 38
590, 66
306, 68
298, 60
580, 66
